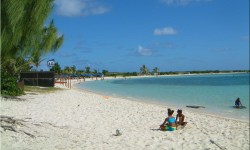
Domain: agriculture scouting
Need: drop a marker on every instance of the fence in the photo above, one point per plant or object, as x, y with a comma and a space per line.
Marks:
44, 79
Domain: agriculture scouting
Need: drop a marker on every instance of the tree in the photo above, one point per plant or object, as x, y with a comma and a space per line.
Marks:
73, 69
95, 71
36, 59
156, 70
47, 41
22, 23
87, 69
66, 70
79, 72
105, 72
23, 35
144, 70
14, 66
56, 68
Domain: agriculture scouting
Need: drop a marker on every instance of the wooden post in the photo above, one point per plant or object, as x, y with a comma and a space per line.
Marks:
70, 83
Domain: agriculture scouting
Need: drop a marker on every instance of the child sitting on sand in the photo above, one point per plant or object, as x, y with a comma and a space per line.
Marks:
170, 120
180, 117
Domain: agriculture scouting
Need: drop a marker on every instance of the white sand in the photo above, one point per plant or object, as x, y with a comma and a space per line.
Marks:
73, 119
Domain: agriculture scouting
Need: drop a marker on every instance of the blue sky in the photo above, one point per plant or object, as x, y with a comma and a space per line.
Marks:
173, 35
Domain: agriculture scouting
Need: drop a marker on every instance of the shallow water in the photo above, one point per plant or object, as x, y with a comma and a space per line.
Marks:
216, 93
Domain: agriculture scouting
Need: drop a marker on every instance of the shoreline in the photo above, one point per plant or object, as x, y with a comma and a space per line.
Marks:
161, 103
154, 76
76, 119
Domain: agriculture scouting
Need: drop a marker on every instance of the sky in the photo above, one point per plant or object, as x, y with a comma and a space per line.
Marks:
173, 35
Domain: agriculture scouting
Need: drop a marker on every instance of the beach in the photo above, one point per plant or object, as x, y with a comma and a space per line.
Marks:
76, 119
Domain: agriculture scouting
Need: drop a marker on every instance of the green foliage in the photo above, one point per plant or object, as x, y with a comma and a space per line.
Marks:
66, 70
79, 72
22, 23
144, 70
56, 68
95, 71
87, 69
23, 35
126, 74
69, 70
105, 72
15, 66
156, 70
130, 74
9, 84
73, 69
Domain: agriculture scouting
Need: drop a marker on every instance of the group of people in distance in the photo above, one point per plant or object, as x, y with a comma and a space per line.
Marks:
171, 123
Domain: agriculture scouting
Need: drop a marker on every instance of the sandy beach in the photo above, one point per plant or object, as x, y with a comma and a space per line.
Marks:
75, 119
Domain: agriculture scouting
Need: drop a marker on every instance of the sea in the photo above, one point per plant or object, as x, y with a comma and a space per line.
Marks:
216, 93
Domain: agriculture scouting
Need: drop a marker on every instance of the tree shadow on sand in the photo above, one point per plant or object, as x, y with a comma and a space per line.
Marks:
12, 98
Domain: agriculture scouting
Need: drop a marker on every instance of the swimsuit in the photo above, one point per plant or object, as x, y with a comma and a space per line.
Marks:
170, 128
171, 120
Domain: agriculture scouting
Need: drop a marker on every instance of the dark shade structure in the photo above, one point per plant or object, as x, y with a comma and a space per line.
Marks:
44, 79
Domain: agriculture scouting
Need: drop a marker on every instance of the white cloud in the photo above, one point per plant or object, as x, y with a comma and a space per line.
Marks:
144, 52
165, 31
71, 8
181, 2
99, 10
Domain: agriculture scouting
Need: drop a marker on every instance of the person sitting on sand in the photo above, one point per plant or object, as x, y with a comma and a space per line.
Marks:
170, 120
180, 117
238, 103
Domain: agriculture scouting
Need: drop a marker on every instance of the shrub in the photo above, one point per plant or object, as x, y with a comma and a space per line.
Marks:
9, 85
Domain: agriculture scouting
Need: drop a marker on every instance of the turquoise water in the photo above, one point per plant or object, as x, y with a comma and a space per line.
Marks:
216, 93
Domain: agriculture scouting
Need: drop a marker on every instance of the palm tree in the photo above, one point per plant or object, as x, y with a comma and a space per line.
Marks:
105, 72
22, 22
87, 69
23, 34
144, 70
156, 70
73, 69
47, 42
66, 70
36, 60
79, 72
56, 68
95, 71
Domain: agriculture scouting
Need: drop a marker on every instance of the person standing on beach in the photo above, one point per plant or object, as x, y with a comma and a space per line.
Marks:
170, 120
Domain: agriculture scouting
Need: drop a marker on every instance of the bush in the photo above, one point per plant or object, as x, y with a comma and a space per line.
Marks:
9, 85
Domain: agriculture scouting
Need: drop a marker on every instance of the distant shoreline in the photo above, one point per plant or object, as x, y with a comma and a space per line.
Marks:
148, 76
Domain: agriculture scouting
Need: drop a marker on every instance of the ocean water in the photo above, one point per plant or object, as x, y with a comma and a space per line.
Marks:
216, 92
